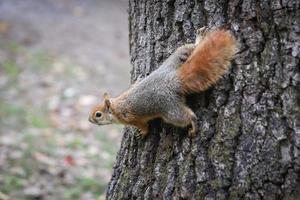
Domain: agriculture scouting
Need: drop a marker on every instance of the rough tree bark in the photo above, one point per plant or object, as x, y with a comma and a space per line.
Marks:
248, 145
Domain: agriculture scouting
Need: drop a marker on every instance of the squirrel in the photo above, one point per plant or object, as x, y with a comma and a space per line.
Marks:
192, 68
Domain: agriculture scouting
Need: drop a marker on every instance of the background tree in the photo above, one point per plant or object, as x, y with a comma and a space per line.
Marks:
248, 144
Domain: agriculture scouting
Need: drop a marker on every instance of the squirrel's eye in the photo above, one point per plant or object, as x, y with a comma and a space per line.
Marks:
98, 114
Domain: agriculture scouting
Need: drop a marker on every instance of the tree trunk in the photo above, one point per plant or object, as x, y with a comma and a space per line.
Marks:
248, 145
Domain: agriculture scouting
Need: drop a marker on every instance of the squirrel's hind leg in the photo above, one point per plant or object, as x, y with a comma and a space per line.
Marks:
182, 116
183, 52
179, 56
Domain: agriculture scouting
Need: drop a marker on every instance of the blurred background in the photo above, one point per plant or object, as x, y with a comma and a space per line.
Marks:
57, 58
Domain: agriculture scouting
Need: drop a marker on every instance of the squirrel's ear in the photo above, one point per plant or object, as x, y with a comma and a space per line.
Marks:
107, 104
106, 101
105, 95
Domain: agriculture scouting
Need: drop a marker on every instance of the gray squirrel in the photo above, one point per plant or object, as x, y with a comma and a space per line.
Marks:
192, 68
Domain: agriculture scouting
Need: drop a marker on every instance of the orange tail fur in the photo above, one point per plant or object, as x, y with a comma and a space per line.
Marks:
208, 62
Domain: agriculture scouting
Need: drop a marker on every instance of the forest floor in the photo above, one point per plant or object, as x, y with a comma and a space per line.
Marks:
57, 57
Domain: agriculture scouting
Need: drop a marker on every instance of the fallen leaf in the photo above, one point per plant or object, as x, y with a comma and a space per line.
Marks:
43, 158
3, 27
69, 160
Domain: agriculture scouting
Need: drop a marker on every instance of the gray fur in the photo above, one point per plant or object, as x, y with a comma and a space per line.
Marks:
161, 90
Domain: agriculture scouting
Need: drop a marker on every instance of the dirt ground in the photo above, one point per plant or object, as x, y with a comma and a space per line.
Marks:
57, 58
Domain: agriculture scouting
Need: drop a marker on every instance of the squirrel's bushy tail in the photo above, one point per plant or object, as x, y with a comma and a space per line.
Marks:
208, 62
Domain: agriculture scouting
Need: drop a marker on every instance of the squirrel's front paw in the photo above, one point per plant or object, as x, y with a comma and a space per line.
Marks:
139, 134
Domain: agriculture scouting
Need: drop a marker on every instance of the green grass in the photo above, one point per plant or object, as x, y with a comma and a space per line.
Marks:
12, 115
73, 193
38, 121
11, 183
108, 147
8, 109
11, 68
90, 184
11, 46
40, 61
36, 117
95, 186
105, 143
77, 143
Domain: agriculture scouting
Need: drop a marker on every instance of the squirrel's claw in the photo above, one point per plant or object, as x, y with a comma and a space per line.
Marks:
201, 32
193, 130
139, 135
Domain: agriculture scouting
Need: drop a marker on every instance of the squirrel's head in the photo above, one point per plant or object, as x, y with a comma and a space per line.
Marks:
102, 113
